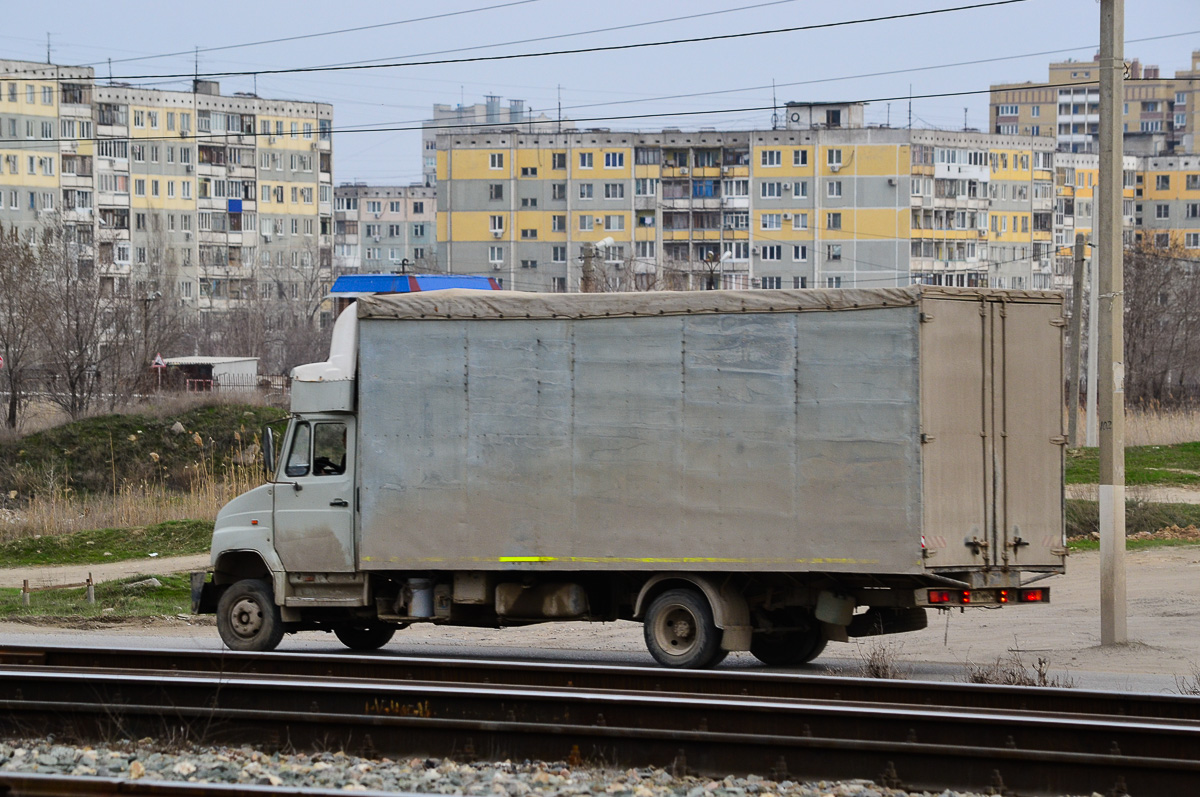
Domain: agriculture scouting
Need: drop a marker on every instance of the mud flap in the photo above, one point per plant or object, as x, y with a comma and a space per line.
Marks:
205, 594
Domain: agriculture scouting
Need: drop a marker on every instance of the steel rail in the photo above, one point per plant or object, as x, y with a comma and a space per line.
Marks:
387, 667
923, 746
33, 784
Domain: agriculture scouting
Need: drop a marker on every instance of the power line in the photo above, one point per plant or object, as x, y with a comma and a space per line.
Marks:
300, 37
576, 51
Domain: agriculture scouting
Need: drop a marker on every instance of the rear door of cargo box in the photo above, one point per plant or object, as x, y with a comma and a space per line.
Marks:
991, 388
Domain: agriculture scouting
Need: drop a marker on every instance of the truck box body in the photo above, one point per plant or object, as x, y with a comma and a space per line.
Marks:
889, 432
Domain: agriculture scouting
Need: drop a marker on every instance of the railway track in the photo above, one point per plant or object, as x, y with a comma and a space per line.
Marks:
932, 736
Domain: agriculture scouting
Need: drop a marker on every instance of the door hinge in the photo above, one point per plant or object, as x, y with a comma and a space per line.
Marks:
926, 318
927, 438
1058, 322
1059, 440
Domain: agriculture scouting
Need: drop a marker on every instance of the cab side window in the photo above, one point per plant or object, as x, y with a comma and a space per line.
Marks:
297, 461
329, 449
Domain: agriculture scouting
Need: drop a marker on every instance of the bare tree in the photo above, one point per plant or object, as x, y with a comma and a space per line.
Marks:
1162, 325
19, 322
74, 322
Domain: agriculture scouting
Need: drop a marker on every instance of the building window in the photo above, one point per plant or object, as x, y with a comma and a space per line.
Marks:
771, 283
558, 160
772, 221
614, 160
529, 234
799, 282
773, 252
1035, 111
800, 189
559, 254
645, 186
770, 157
800, 253
558, 191
585, 222
833, 252
418, 230
496, 191
614, 190
1191, 240
833, 221
800, 221
614, 222
1162, 211
585, 160
771, 190
496, 223
495, 254
833, 157
558, 224
834, 282
529, 171
1162, 182
833, 188
528, 264
585, 190
496, 160
800, 157
529, 202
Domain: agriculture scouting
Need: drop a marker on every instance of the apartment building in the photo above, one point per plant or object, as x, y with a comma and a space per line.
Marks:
1070, 114
190, 194
1166, 204
385, 229
821, 202
478, 117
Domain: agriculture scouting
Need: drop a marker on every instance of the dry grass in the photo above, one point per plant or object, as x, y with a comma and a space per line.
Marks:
1154, 425
881, 659
1188, 684
62, 510
1012, 671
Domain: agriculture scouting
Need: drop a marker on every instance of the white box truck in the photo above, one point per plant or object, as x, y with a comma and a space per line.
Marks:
758, 470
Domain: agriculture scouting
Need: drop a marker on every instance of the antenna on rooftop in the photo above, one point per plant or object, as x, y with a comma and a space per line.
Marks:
910, 106
774, 107
560, 107
48, 47
965, 125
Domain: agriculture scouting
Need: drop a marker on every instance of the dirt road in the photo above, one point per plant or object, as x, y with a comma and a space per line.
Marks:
1163, 612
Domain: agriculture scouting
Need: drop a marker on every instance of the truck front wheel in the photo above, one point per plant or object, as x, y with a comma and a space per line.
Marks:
247, 617
370, 637
680, 631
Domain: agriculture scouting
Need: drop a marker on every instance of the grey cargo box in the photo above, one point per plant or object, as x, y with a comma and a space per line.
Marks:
833, 431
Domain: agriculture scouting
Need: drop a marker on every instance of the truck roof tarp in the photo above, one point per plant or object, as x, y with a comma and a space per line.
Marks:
497, 305
408, 283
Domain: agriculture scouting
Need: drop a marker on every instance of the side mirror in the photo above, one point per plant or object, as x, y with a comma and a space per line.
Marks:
268, 452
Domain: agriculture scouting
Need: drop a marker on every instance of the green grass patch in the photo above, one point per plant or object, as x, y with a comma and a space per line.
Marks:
1130, 545
89, 455
173, 538
1165, 466
113, 599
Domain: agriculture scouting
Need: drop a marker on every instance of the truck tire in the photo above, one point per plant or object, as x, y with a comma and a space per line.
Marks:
788, 648
370, 637
247, 617
680, 631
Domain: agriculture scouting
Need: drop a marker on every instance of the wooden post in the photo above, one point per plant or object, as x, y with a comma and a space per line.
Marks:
25, 592
91, 590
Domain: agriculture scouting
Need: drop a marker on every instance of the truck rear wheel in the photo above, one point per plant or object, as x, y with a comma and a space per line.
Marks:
787, 648
370, 637
247, 617
680, 631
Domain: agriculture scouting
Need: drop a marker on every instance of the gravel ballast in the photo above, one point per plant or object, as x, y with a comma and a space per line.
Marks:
335, 770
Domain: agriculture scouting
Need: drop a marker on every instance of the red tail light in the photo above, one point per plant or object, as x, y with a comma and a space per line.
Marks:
1004, 596
1033, 596
939, 596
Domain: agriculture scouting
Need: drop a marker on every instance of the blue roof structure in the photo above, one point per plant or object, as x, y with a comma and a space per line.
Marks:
408, 283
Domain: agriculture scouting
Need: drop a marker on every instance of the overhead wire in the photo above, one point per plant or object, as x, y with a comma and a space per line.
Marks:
573, 51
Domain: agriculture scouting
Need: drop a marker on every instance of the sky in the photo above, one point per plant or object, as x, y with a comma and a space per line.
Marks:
883, 61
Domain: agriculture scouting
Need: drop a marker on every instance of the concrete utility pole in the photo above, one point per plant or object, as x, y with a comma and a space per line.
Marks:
1110, 261
1093, 426
1076, 343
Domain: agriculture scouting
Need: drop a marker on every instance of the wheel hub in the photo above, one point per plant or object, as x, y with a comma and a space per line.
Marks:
246, 618
679, 630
